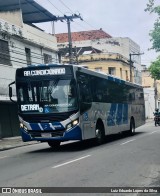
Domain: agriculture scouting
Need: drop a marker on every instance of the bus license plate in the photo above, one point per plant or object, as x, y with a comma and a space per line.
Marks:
46, 135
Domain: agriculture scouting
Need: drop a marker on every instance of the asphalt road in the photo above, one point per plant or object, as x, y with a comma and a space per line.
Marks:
123, 161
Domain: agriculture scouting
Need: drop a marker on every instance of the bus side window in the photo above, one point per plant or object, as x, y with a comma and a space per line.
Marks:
84, 92
132, 96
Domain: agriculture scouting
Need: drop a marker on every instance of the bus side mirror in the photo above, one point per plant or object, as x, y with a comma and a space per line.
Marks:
10, 91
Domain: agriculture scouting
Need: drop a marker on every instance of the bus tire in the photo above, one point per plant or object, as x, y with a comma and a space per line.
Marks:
54, 144
100, 134
132, 127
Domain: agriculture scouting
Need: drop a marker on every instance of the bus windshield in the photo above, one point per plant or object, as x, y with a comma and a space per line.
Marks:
47, 96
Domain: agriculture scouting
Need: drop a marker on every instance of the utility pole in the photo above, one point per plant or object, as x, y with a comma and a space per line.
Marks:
131, 62
76, 55
69, 19
53, 28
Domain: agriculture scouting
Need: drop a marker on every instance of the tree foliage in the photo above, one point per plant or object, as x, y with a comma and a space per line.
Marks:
155, 33
155, 69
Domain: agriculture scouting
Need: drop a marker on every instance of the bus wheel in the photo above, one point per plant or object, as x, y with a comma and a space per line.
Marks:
132, 127
54, 144
100, 135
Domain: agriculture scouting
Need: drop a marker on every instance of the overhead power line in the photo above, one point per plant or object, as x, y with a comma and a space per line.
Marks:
71, 13
66, 6
55, 7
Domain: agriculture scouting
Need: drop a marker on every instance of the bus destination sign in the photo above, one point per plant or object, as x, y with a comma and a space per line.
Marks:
55, 71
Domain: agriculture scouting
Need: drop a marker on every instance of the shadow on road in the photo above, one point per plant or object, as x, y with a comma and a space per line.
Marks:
87, 144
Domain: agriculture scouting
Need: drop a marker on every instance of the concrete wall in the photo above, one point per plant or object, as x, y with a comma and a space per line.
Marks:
7, 75
103, 61
41, 38
147, 81
122, 46
19, 38
149, 102
13, 17
104, 65
9, 124
137, 77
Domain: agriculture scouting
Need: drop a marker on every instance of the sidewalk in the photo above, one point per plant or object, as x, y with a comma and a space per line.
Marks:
13, 142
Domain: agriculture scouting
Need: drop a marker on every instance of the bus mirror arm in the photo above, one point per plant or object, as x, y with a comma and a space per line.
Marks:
10, 91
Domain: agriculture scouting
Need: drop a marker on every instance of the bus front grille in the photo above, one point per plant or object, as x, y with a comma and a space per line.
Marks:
39, 133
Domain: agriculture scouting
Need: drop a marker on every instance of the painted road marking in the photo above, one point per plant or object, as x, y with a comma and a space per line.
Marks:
141, 137
152, 132
128, 141
3, 157
70, 161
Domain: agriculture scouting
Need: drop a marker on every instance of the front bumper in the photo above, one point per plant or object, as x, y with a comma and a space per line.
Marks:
62, 135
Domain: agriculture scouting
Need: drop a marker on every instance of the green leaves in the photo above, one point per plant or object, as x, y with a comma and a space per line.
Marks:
155, 69
155, 33
150, 6
155, 37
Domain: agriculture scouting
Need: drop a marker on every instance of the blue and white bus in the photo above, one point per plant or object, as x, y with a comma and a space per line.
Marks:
58, 103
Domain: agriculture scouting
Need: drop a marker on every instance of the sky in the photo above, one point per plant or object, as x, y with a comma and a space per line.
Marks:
119, 18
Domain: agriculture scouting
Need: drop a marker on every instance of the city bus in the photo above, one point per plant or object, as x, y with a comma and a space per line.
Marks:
58, 102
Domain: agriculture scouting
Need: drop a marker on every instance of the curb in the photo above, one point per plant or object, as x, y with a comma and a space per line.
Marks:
10, 145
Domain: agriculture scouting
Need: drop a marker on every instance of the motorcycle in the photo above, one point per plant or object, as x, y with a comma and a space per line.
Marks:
157, 119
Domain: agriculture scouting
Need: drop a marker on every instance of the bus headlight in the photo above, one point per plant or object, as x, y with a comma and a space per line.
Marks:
72, 124
23, 126
69, 126
75, 122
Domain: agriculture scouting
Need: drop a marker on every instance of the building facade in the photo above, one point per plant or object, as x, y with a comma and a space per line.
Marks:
149, 83
113, 64
108, 46
20, 45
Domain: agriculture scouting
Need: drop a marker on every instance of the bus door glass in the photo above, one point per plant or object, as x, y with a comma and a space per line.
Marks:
85, 96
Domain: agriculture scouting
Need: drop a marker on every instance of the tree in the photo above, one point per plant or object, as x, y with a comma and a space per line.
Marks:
155, 33
155, 69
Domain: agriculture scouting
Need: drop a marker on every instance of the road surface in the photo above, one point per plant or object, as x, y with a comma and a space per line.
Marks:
123, 161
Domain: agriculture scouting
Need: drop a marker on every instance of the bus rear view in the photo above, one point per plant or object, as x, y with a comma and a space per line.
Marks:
47, 104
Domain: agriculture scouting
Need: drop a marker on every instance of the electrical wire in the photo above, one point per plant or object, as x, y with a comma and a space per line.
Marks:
66, 6
73, 13
56, 7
